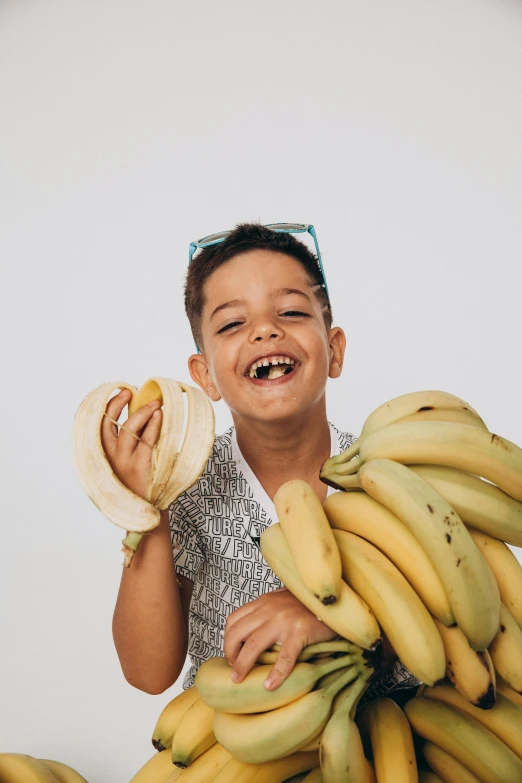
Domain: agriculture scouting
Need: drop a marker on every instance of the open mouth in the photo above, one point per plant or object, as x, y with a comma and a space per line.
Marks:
271, 367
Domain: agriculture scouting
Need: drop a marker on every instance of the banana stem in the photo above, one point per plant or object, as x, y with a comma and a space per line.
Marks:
130, 543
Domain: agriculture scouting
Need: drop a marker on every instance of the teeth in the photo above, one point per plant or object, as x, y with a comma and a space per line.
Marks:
270, 360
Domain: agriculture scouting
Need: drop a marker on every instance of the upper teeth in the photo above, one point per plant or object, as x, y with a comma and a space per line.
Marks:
269, 360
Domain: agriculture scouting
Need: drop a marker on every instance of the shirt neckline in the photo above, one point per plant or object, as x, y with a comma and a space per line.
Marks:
259, 491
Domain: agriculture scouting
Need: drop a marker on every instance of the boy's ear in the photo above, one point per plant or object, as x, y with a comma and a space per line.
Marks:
200, 374
337, 339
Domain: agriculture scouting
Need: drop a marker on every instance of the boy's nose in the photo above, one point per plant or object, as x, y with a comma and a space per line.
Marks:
265, 330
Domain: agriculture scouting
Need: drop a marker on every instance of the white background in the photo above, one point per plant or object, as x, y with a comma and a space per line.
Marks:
127, 129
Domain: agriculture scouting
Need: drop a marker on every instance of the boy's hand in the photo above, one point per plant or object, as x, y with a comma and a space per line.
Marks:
276, 617
131, 459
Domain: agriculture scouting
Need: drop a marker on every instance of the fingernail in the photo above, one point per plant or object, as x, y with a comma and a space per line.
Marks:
155, 414
268, 683
234, 677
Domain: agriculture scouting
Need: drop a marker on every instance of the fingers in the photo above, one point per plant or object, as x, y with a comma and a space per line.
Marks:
239, 633
258, 641
286, 660
109, 430
140, 424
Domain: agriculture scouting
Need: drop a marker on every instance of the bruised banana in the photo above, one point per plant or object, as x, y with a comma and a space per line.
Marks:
436, 443
310, 539
195, 734
357, 512
403, 617
505, 567
349, 616
270, 772
504, 718
341, 751
171, 717
218, 691
477, 502
176, 466
506, 650
391, 741
472, 589
466, 739
452, 771
22, 768
421, 406
471, 672
268, 736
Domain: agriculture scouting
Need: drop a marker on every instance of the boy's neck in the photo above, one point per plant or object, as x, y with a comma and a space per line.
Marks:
281, 451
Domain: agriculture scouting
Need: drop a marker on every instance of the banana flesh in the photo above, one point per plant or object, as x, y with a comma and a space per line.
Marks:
176, 466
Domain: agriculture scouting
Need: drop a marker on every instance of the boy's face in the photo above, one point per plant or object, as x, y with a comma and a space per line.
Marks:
260, 309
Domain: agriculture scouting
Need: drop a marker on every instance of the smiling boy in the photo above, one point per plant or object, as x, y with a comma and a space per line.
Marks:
260, 314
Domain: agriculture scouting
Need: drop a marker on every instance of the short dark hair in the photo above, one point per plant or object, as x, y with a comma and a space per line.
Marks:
245, 237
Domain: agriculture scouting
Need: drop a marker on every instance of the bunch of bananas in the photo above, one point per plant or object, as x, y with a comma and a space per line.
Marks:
178, 458
21, 768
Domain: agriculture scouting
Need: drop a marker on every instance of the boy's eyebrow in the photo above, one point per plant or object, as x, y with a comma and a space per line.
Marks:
287, 291
232, 303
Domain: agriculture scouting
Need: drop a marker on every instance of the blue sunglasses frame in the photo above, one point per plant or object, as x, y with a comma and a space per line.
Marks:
287, 228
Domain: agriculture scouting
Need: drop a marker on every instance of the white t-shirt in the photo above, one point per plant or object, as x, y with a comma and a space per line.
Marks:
215, 529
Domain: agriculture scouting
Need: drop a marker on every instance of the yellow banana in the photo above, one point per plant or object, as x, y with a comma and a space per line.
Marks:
195, 734
436, 443
391, 741
349, 616
477, 502
157, 769
220, 692
204, 769
504, 688
506, 650
357, 512
471, 589
268, 736
506, 568
310, 539
403, 617
309, 652
175, 467
504, 718
451, 770
341, 751
21, 768
62, 772
421, 406
471, 672
270, 772
466, 739
171, 716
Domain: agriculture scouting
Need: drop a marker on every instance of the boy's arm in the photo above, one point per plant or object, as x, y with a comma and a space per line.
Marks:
151, 616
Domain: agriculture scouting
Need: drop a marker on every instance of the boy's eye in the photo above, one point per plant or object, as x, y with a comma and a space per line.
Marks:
229, 326
295, 312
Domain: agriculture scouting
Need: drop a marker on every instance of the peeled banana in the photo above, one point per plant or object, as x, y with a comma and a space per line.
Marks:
176, 466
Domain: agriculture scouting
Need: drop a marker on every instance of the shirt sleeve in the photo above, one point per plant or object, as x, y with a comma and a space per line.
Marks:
186, 546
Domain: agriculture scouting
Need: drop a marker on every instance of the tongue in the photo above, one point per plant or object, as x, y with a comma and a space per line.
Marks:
275, 372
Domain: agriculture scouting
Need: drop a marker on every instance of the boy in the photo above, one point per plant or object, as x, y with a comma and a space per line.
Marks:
260, 315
